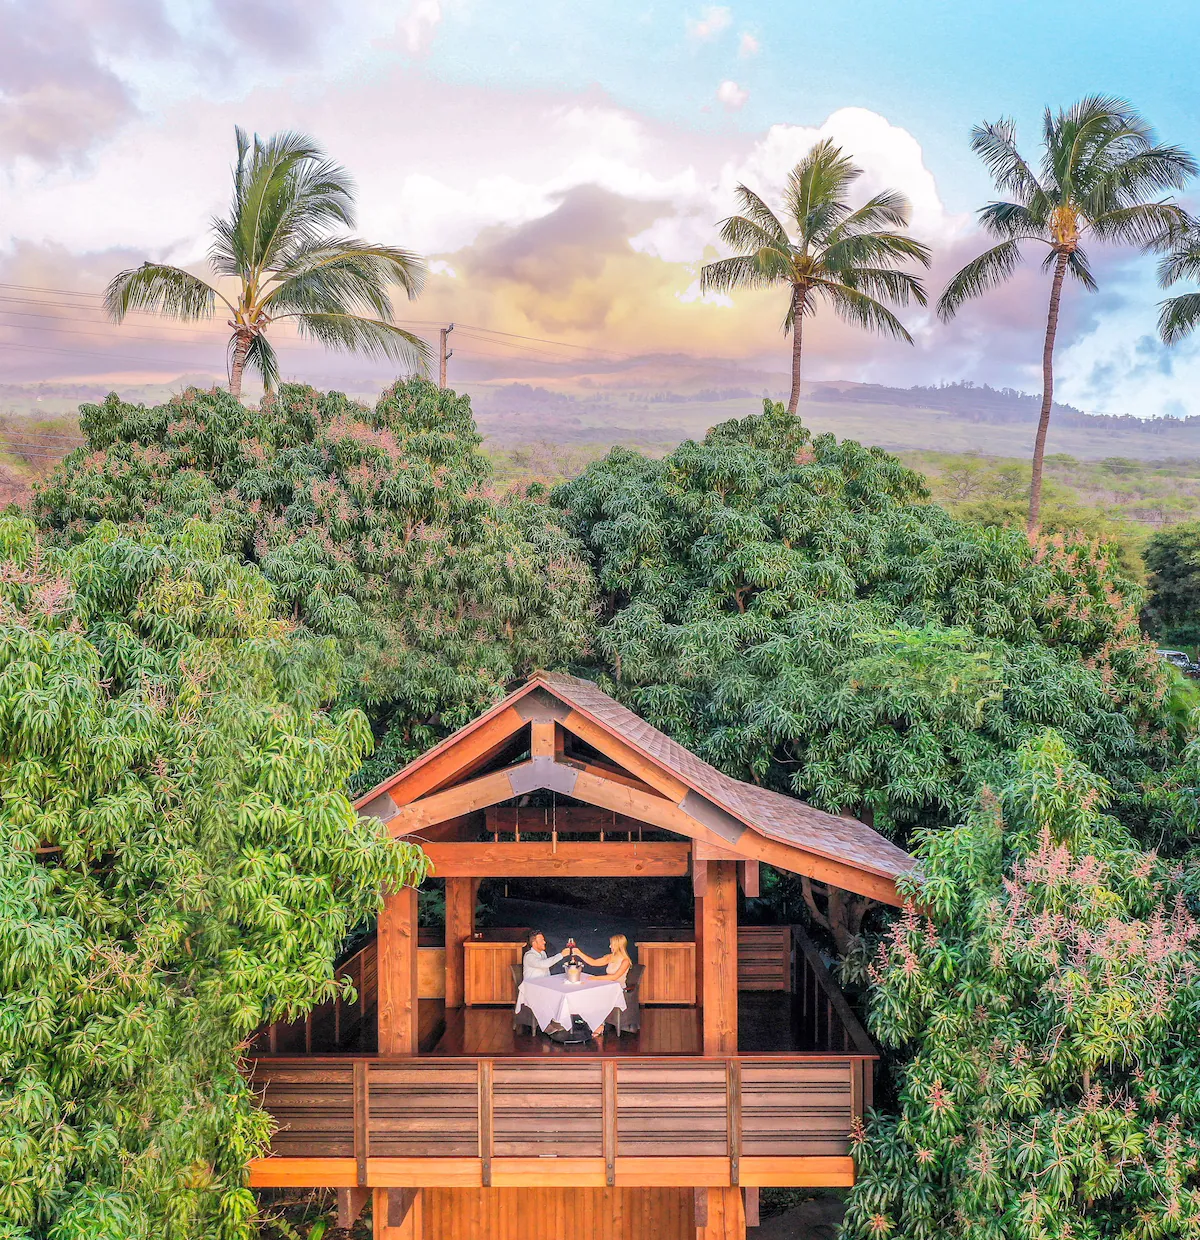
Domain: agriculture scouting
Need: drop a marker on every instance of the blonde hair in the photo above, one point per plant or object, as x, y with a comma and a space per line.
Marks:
619, 945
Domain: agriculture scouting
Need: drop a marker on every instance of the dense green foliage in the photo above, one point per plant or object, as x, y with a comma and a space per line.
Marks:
1044, 1012
1173, 563
374, 526
179, 863
796, 612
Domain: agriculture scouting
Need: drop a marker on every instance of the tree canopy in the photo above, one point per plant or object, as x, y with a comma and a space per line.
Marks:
1172, 611
1042, 1012
375, 526
179, 865
795, 611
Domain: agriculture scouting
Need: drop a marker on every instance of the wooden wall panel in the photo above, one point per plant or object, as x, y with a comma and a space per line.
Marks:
671, 1109
488, 977
431, 973
670, 973
313, 1107
791, 1112
424, 1111
547, 1108
725, 1215
565, 1213
765, 958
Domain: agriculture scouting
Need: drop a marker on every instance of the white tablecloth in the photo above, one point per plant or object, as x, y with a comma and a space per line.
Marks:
553, 998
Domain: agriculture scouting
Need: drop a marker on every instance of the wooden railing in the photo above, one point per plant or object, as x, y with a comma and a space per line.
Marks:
609, 1109
826, 1017
338, 1023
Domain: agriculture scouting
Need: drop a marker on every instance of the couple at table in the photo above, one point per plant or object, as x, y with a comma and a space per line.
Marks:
616, 962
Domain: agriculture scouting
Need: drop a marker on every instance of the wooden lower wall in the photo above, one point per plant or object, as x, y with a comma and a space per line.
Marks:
559, 1214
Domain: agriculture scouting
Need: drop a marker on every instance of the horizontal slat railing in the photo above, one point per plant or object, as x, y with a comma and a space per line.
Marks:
599, 1108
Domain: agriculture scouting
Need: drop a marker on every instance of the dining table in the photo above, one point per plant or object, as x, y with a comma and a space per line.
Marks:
556, 999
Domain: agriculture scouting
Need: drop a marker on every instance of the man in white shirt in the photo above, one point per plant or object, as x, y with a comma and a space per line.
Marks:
536, 963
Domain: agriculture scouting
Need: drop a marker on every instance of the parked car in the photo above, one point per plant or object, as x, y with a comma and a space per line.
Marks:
1177, 658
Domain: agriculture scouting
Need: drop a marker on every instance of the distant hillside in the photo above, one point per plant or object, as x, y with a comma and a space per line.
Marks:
959, 417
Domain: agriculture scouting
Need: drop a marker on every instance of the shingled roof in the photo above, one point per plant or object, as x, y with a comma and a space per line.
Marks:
770, 814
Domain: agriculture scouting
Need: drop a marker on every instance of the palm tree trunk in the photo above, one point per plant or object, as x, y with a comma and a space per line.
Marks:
241, 346
1039, 444
797, 346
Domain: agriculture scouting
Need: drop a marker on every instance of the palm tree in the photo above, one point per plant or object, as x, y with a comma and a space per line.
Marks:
1101, 171
277, 245
844, 256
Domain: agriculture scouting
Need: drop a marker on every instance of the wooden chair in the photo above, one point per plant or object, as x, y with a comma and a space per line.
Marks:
523, 1017
629, 1020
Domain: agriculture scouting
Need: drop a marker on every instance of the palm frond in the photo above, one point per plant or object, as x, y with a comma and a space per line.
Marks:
344, 275
1183, 262
356, 333
170, 291
887, 284
261, 359
745, 235
863, 311
756, 211
1148, 225
1014, 219
816, 190
741, 271
889, 209
996, 145
989, 270
874, 249
1178, 317
1080, 268
287, 190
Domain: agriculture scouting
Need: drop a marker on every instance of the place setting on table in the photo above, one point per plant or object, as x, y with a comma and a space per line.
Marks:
573, 1006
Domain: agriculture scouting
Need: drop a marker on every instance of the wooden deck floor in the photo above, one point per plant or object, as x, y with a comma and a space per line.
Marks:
489, 1031
765, 1024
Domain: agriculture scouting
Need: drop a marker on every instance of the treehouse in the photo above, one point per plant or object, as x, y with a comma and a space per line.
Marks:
747, 1069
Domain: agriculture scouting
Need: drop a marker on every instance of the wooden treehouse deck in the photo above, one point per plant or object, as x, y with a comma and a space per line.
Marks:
748, 1068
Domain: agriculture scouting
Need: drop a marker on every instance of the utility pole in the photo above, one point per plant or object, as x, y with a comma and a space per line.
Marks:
444, 354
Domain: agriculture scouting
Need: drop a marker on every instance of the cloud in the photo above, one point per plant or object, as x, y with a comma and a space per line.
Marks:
731, 95
420, 24
58, 92
748, 45
712, 22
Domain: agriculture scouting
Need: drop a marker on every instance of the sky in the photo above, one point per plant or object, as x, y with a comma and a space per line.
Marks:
564, 166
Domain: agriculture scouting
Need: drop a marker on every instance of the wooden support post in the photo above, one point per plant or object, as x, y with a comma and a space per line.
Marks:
748, 878
699, 937
350, 1205
609, 1119
397, 965
750, 1204
724, 1214
362, 1121
397, 1214
720, 959
460, 926
541, 738
484, 1070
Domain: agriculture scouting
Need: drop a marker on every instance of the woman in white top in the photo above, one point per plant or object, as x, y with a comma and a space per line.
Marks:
616, 963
